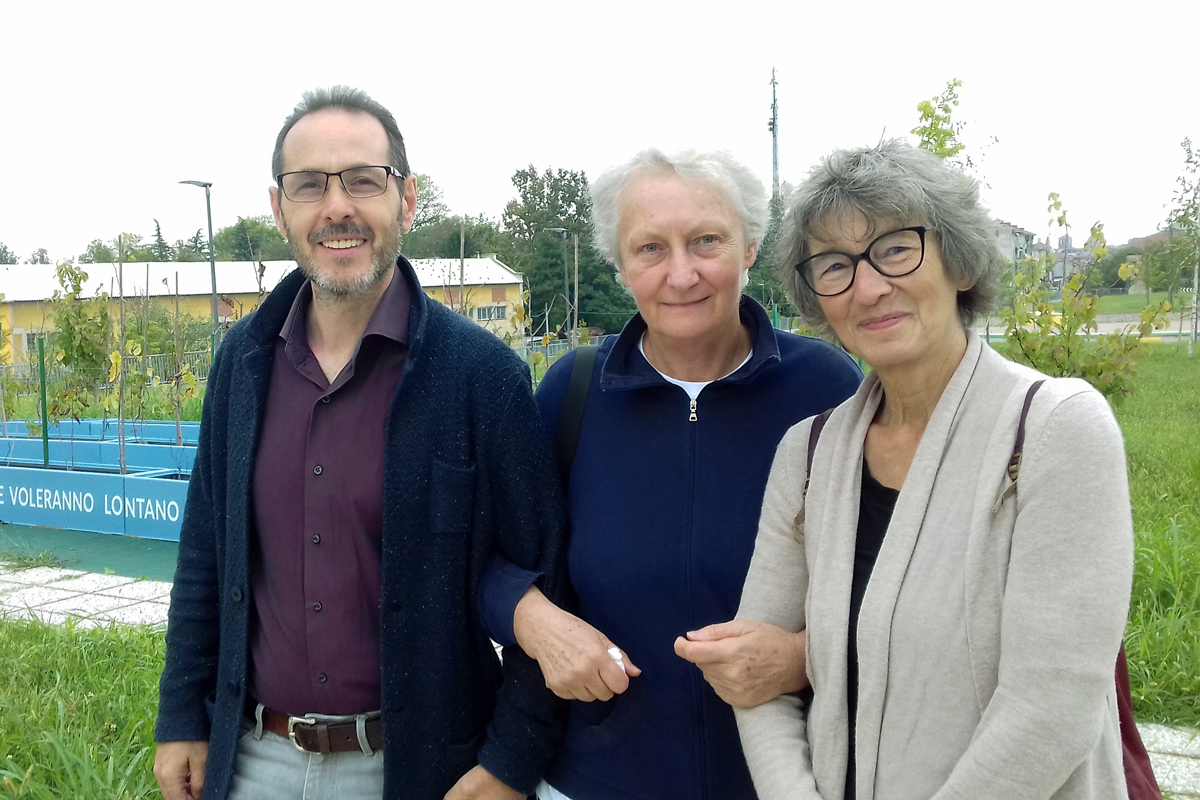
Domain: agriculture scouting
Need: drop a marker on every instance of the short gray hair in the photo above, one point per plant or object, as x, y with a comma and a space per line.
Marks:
347, 99
719, 169
894, 180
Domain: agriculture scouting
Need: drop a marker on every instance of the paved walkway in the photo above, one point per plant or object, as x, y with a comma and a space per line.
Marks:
52, 595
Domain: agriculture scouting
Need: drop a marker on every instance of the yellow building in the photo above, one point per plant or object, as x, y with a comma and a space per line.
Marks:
484, 289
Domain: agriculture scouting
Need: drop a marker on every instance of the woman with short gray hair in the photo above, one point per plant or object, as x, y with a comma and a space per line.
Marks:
683, 411
961, 631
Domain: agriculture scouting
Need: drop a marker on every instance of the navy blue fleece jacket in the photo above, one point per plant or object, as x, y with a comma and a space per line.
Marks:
663, 513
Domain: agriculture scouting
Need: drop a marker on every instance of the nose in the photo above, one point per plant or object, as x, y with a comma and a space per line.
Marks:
681, 272
869, 284
337, 204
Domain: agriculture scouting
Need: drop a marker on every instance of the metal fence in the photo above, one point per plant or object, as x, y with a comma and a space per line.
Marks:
161, 365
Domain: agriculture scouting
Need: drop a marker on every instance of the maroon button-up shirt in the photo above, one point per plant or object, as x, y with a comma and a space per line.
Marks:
318, 513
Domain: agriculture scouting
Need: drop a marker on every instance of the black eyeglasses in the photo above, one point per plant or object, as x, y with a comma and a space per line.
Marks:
894, 254
308, 186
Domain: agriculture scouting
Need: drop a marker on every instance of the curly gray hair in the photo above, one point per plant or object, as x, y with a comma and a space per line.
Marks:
894, 181
744, 191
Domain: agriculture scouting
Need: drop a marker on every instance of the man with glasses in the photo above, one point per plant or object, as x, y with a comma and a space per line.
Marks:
364, 452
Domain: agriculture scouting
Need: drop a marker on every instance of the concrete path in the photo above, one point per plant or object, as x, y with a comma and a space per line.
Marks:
53, 595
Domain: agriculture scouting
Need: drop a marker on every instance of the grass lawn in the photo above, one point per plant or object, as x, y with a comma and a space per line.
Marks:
1134, 303
1161, 423
77, 706
77, 711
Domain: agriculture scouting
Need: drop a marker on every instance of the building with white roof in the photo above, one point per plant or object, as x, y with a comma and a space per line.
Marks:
483, 288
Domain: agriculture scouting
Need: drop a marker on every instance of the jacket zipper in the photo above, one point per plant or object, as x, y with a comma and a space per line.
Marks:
692, 412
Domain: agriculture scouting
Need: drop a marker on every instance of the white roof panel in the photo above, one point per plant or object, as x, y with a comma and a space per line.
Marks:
33, 282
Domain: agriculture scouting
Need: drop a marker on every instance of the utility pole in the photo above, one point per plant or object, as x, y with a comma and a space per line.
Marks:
462, 283
773, 126
1195, 295
575, 322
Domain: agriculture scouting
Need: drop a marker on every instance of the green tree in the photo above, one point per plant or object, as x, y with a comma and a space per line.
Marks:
129, 247
1062, 342
251, 239
81, 341
162, 250
40, 256
1160, 267
440, 239
1110, 267
98, 253
937, 132
7, 256
559, 199
430, 206
155, 330
193, 249
551, 199
1185, 215
763, 281
604, 302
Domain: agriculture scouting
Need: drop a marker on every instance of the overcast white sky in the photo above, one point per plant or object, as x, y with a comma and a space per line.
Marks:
106, 106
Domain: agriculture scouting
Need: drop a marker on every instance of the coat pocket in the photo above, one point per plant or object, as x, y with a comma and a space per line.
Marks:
452, 496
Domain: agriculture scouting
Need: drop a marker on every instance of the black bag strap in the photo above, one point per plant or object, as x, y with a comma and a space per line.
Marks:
573, 406
814, 434
1018, 453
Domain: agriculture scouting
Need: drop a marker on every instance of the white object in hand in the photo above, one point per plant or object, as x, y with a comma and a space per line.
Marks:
615, 652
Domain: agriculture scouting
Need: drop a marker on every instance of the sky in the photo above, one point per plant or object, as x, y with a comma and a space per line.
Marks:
107, 106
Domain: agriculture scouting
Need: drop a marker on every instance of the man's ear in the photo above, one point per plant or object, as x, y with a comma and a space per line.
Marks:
277, 211
408, 196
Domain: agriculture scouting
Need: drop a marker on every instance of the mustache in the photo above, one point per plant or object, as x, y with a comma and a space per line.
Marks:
347, 230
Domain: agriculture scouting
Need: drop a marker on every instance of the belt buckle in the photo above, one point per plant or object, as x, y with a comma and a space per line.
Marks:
291, 730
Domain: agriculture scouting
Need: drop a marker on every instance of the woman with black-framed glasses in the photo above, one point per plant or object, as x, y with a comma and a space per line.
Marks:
961, 631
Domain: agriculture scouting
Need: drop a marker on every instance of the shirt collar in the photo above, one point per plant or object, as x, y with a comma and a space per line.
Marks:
389, 319
626, 368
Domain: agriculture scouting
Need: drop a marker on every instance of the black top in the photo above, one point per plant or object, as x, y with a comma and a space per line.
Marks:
875, 505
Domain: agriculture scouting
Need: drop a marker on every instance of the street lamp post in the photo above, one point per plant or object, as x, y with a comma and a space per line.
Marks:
212, 264
562, 233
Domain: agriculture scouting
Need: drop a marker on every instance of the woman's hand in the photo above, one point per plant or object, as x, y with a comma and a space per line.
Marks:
574, 656
479, 784
747, 663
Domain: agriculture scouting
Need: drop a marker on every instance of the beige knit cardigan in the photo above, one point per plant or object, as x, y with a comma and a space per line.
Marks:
986, 640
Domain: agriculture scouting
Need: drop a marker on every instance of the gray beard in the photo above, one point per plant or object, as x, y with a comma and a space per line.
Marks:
383, 259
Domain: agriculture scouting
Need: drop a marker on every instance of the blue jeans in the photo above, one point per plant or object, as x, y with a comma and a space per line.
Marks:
270, 766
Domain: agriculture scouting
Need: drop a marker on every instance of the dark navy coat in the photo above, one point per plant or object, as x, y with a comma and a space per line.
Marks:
468, 473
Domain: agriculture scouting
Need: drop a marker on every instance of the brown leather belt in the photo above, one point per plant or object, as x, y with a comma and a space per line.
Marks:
317, 735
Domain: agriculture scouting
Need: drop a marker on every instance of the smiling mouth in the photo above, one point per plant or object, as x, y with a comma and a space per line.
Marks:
881, 322
343, 244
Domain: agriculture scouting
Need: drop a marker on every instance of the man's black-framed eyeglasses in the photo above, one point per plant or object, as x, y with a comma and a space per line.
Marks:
308, 186
894, 254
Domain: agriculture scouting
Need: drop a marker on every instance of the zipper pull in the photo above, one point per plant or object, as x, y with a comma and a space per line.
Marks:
692, 412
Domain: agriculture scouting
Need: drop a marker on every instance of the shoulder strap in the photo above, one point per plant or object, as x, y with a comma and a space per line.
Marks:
1014, 461
576, 400
814, 434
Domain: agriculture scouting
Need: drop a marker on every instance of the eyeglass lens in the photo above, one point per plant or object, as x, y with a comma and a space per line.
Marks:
893, 254
309, 187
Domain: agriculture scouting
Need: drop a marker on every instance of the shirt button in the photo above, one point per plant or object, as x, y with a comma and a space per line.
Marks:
317, 470
317, 606
322, 678
316, 538
325, 399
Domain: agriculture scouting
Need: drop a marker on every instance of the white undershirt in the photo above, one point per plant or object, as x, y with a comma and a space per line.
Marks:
693, 388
